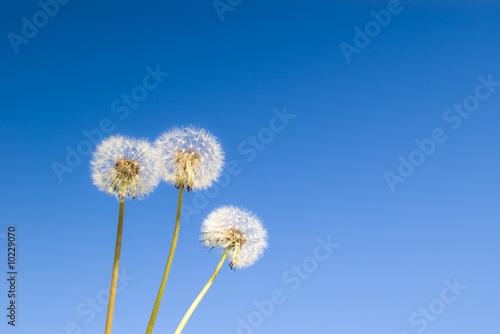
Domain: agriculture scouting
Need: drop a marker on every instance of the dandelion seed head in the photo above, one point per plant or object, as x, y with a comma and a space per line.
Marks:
190, 157
238, 229
126, 167
186, 164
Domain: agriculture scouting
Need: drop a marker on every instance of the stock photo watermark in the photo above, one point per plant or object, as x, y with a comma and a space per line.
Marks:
454, 118
12, 275
222, 6
87, 311
292, 278
363, 37
249, 149
425, 315
31, 26
122, 107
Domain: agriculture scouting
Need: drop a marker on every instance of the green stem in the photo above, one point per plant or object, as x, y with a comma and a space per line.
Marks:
114, 277
201, 295
169, 264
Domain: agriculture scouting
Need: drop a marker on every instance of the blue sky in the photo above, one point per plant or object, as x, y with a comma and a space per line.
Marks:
374, 171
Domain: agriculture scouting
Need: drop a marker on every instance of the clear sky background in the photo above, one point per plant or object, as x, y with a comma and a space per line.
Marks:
320, 173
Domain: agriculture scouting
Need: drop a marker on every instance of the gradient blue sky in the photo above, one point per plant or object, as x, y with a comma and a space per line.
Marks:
322, 175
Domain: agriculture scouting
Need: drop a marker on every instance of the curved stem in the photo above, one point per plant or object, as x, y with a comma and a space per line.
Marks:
201, 295
114, 277
169, 264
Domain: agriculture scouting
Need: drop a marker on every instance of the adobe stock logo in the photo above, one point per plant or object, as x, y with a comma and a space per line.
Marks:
426, 315
293, 278
225, 6
372, 29
40, 19
426, 147
94, 307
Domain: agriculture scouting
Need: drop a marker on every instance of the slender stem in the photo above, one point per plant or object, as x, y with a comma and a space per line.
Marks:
202, 294
169, 264
114, 277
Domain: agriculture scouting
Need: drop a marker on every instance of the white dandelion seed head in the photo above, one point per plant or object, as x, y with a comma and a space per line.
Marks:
124, 166
190, 157
238, 229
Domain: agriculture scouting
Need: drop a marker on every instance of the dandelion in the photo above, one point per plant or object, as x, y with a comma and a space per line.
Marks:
237, 230
243, 238
126, 168
190, 158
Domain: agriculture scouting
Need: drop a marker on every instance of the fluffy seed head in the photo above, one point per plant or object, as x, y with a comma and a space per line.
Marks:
238, 229
125, 166
190, 157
